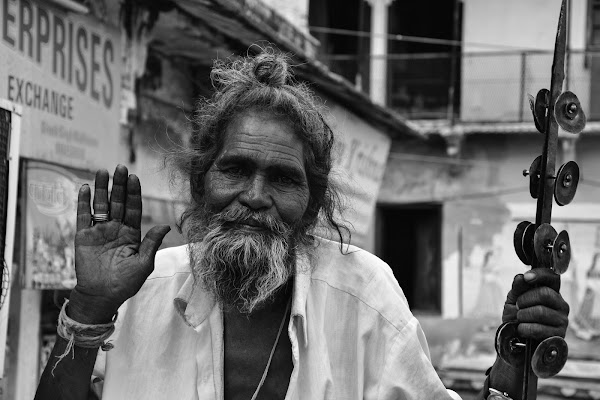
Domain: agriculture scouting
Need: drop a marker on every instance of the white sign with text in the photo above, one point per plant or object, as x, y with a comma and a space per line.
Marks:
65, 71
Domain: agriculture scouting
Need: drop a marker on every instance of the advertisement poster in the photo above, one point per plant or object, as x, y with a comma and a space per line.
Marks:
51, 210
64, 69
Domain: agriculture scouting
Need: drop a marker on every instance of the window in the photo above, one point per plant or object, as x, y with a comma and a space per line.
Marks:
594, 40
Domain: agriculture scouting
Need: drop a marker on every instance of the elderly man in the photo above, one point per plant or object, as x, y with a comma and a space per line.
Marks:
255, 307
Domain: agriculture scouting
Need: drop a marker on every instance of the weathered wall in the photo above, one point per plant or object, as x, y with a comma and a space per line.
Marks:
532, 24
484, 197
359, 164
494, 85
295, 11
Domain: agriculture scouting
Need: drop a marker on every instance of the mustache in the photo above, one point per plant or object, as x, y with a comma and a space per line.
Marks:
245, 216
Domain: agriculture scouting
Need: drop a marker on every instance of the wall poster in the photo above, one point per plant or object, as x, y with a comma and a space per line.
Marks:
50, 221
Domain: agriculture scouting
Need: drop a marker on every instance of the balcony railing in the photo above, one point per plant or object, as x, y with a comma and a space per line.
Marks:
487, 87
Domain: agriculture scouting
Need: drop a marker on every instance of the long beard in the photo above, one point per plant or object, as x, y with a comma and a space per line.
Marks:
241, 268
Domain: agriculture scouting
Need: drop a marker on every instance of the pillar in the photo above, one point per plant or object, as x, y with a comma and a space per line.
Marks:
379, 32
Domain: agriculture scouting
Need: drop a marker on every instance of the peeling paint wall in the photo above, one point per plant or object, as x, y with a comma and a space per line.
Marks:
480, 193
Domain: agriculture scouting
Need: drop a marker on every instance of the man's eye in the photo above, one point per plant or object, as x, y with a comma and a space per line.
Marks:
284, 180
236, 171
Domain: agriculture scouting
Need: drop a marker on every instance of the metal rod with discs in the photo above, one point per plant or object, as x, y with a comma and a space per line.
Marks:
538, 244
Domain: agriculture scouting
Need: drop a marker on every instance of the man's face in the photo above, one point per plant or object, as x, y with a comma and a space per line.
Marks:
261, 167
244, 239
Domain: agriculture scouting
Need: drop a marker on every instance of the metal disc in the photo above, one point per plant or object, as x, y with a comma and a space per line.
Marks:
542, 102
535, 120
568, 113
506, 345
566, 182
518, 242
543, 239
528, 242
549, 357
561, 253
535, 170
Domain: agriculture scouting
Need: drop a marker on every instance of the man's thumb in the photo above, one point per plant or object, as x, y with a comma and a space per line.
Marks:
152, 242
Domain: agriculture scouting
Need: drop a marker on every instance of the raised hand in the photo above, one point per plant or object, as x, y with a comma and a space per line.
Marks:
111, 260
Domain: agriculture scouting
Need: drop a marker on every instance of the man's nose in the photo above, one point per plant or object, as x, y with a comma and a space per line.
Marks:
256, 195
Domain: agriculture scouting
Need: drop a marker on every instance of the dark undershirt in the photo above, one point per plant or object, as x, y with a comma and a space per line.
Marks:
248, 341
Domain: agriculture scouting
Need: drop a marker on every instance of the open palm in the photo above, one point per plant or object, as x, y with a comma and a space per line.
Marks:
111, 260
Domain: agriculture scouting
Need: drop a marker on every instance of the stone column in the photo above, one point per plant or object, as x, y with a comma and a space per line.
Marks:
379, 30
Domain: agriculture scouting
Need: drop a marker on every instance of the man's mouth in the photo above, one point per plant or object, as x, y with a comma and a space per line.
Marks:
251, 225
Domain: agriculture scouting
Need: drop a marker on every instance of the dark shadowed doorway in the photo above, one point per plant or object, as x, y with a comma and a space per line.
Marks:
409, 240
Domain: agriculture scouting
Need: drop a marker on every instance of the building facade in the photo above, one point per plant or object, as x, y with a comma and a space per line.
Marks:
87, 85
460, 72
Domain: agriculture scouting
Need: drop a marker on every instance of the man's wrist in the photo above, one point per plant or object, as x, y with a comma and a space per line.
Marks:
87, 310
506, 379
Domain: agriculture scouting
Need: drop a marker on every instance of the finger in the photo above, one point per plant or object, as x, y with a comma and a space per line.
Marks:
519, 287
509, 313
542, 315
133, 203
543, 277
101, 192
544, 296
118, 193
84, 214
152, 242
540, 332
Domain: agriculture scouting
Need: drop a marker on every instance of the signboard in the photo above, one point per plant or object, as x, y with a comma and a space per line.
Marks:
64, 70
359, 164
51, 213
10, 123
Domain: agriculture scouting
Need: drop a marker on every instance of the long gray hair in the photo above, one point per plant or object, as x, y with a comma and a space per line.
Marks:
265, 82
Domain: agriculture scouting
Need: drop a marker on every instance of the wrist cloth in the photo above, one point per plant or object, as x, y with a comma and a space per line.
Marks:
82, 335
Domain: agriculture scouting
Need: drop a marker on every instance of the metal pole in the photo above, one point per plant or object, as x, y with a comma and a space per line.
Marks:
460, 271
451, 115
568, 48
522, 89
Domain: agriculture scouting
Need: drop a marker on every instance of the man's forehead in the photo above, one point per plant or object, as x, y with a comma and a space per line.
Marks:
262, 134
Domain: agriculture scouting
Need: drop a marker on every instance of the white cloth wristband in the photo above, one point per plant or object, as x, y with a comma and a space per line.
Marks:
82, 335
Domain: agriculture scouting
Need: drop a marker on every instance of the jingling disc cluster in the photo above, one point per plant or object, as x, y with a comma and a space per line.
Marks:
539, 244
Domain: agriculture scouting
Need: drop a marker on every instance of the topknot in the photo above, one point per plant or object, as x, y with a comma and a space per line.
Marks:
272, 69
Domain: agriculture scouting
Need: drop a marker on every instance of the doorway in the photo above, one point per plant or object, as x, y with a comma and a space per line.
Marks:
409, 240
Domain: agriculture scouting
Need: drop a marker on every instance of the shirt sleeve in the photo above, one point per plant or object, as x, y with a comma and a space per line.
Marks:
408, 373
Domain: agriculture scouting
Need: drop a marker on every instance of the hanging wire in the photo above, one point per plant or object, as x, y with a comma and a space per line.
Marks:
439, 160
414, 39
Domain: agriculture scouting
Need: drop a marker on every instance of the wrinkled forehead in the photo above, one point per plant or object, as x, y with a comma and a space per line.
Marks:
263, 134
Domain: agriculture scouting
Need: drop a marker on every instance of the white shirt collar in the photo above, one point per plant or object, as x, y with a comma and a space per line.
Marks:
194, 304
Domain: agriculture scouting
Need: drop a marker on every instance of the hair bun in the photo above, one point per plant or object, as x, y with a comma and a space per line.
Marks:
271, 69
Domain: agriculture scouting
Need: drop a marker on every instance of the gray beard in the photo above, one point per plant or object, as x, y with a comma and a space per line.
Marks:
241, 268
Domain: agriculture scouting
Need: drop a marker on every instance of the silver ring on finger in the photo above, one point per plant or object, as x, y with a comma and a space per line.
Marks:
98, 218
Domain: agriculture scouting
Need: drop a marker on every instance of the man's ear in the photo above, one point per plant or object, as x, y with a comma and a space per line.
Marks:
196, 187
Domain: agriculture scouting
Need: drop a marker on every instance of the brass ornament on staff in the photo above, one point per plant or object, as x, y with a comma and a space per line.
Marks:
538, 244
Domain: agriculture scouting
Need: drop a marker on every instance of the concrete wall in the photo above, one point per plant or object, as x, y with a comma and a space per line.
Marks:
295, 11
484, 197
496, 78
519, 24
359, 164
